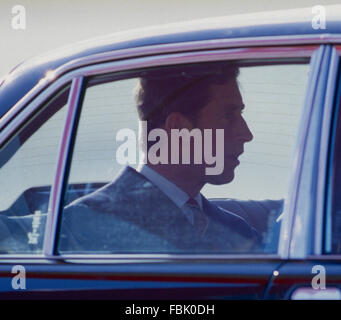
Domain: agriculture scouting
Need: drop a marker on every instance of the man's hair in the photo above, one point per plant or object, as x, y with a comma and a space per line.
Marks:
184, 89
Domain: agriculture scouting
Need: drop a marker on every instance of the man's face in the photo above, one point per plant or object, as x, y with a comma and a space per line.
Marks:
224, 111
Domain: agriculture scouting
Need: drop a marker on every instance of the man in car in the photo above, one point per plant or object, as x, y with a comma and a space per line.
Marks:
159, 207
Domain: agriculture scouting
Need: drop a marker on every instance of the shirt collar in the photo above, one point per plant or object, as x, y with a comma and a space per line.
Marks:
177, 195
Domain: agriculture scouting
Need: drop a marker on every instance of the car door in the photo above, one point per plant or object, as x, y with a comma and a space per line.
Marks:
100, 105
313, 269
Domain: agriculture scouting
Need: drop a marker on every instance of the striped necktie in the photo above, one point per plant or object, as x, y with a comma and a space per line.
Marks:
199, 217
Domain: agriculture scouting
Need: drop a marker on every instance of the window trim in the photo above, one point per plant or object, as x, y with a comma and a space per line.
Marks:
325, 153
327, 230
126, 65
137, 257
307, 233
57, 186
290, 208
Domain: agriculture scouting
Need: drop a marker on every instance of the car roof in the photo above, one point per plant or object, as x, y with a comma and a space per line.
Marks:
262, 24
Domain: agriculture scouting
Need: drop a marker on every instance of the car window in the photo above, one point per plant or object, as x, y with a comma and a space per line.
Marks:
192, 158
27, 165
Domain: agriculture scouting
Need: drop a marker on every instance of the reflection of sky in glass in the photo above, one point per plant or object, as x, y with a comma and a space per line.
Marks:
34, 163
273, 98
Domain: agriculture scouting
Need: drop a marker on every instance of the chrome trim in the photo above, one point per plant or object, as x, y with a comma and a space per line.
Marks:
324, 148
263, 42
170, 48
24, 256
171, 59
289, 209
301, 243
139, 257
56, 189
326, 257
306, 293
224, 256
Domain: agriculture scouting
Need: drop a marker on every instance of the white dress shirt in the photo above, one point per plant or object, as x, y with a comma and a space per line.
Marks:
173, 192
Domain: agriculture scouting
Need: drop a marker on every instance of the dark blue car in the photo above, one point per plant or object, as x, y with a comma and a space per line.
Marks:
65, 122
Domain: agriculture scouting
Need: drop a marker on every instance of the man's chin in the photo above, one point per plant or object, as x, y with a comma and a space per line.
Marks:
221, 178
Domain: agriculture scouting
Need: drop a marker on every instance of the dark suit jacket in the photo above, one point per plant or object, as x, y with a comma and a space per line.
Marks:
131, 214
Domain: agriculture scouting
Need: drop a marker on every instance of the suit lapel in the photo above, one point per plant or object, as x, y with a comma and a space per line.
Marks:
144, 204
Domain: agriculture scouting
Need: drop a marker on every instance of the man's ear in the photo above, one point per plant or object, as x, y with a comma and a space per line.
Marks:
177, 120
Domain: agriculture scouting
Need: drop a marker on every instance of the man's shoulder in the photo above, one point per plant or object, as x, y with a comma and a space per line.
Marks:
129, 212
130, 197
127, 185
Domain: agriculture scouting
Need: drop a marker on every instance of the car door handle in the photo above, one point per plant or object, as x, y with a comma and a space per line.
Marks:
316, 294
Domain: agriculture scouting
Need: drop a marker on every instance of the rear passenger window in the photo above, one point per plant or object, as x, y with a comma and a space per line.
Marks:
28, 163
184, 159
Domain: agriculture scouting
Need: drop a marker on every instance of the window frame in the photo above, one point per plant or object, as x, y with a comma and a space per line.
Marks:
46, 104
307, 241
327, 148
159, 59
335, 100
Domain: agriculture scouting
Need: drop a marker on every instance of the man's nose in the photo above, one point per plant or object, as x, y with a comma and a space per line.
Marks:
246, 133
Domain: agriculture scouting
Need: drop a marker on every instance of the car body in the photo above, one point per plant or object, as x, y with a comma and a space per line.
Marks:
304, 248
